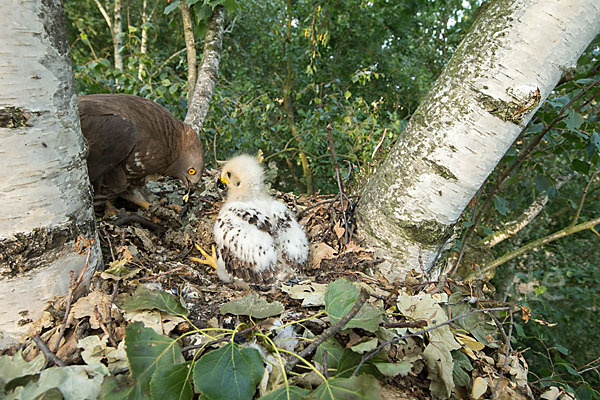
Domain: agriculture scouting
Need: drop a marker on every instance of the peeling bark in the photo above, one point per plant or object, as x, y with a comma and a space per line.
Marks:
44, 188
505, 67
208, 72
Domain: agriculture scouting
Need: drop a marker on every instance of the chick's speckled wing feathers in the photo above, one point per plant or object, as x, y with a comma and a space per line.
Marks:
259, 240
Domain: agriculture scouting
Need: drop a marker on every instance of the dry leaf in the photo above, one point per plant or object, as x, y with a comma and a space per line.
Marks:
312, 294
468, 341
84, 307
318, 252
339, 230
480, 386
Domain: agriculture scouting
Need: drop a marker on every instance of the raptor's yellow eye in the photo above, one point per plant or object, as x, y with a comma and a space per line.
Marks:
192, 171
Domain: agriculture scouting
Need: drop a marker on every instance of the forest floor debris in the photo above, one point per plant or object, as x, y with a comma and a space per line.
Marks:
336, 328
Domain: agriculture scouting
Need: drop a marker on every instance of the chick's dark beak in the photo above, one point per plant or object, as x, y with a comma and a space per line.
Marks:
220, 184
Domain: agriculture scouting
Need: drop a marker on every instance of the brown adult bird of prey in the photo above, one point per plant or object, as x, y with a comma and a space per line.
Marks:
258, 239
131, 139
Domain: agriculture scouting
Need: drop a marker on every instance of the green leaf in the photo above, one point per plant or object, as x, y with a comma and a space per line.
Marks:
146, 299
171, 7
253, 306
172, 382
574, 120
542, 183
228, 373
356, 387
350, 360
347, 94
340, 298
460, 376
580, 166
462, 364
76, 382
365, 346
561, 349
148, 351
334, 353
501, 205
392, 369
13, 367
462, 360
286, 393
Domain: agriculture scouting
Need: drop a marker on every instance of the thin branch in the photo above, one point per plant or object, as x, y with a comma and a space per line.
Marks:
44, 349
105, 15
217, 341
81, 244
339, 182
372, 353
508, 350
582, 200
332, 330
540, 242
515, 226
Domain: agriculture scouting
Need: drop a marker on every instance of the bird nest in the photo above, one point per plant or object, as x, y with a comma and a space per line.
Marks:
409, 340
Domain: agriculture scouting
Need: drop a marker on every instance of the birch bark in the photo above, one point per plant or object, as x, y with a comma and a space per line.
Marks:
44, 189
190, 46
208, 72
505, 67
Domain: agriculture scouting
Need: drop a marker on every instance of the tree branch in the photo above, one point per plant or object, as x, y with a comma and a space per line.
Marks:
540, 242
208, 71
513, 227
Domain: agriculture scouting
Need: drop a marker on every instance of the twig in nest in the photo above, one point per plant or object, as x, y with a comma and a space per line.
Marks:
372, 353
508, 350
319, 203
80, 245
103, 327
332, 330
217, 341
163, 273
125, 218
49, 355
339, 182
406, 324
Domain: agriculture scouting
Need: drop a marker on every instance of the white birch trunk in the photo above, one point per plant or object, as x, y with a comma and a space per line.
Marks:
505, 67
117, 34
44, 189
144, 42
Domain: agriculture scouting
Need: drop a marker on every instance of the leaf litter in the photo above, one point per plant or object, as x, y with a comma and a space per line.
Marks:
154, 320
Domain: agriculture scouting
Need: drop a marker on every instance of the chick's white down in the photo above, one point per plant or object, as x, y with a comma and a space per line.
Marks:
257, 237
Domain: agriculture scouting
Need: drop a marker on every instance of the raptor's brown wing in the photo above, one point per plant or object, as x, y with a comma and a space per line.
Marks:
111, 138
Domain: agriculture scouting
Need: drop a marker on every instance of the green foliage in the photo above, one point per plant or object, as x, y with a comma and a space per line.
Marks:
228, 373
149, 352
340, 298
147, 299
253, 306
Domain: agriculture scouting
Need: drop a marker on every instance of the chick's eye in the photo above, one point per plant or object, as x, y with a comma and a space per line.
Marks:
229, 174
192, 171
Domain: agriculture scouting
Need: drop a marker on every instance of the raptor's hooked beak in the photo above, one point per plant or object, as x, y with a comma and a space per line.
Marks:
189, 190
